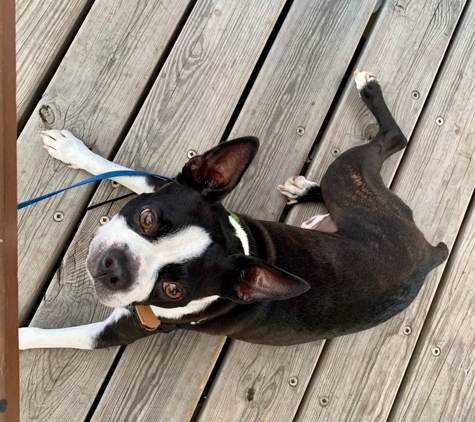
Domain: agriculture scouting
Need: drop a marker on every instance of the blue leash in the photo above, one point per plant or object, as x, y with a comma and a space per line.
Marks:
97, 178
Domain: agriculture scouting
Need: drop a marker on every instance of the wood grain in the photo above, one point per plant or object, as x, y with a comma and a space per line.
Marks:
188, 108
360, 374
97, 87
441, 387
44, 30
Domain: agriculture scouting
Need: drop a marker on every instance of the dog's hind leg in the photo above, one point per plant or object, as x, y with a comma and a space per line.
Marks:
389, 138
298, 189
122, 327
352, 187
64, 146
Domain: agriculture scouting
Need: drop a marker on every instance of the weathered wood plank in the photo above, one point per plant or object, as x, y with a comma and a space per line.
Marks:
43, 31
188, 108
392, 37
360, 374
97, 87
441, 387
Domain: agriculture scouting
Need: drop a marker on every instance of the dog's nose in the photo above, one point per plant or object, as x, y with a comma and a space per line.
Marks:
112, 270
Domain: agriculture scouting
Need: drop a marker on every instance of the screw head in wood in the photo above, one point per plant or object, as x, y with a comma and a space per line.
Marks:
436, 351
104, 220
58, 216
300, 130
407, 330
415, 95
115, 184
439, 121
191, 153
336, 152
293, 381
324, 401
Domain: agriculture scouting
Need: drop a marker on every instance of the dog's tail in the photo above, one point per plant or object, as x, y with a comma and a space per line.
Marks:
441, 252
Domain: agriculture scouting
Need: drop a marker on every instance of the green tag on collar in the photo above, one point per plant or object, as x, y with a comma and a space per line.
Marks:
233, 216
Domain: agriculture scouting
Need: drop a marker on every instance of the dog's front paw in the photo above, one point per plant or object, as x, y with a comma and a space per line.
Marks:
28, 338
363, 78
295, 188
64, 146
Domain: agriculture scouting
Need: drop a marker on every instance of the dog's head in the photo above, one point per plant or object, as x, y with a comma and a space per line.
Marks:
178, 246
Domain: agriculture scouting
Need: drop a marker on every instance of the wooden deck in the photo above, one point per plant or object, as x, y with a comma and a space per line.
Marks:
143, 83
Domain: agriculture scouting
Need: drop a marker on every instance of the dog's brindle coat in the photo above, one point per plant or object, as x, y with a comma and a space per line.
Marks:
296, 285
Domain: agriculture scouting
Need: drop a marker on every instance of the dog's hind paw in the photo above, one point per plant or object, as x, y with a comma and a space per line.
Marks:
64, 146
363, 78
295, 188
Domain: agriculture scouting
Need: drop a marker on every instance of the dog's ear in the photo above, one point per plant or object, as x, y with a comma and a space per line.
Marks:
217, 172
255, 280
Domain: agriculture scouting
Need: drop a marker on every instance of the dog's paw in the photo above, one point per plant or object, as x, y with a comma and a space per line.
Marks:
295, 188
64, 146
363, 78
27, 337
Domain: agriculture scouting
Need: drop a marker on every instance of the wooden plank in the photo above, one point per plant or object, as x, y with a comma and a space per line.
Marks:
99, 84
401, 34
9, 380
188, 108
44, 30
441, 387
360, 374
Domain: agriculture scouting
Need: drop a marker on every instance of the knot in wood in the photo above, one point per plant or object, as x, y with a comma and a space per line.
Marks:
370, 131
47, 114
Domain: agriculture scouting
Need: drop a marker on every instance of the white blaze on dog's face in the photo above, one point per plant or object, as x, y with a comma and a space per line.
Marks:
126, 265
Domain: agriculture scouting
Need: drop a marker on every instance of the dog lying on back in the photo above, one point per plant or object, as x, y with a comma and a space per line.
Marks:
179, 255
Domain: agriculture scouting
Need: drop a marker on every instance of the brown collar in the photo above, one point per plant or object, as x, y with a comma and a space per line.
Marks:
147, 318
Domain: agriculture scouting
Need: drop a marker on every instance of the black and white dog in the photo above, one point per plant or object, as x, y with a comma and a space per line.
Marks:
176, 249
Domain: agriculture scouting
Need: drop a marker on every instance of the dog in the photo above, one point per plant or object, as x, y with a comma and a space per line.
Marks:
176, 252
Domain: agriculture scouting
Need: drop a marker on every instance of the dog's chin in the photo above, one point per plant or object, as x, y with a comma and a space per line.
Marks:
112, 300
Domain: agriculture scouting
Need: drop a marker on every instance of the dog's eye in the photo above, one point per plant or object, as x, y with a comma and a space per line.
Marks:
147, 219
173, 291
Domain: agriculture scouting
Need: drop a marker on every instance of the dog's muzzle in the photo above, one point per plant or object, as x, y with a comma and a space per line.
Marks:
111, 269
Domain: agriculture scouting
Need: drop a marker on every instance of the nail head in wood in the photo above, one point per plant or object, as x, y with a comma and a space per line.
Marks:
407, 330
436, 351
293, 381
104, 220
324, 401
439, 121
415, 95
114, 184
58, 216
335, 152
191, 153
300, 130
